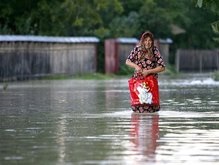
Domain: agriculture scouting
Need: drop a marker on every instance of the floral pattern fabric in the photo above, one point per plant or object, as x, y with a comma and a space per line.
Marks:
145, 63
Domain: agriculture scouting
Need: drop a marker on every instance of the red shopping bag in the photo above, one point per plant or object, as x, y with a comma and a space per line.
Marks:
144, 90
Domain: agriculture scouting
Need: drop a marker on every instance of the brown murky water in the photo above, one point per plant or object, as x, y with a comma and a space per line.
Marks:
90, 122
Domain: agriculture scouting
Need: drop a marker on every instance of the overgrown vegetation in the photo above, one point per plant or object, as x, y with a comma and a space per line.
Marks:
213, 6
216, 75
178, 20
125, 70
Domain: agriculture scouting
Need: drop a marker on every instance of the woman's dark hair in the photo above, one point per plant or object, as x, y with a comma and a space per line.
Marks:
145, 35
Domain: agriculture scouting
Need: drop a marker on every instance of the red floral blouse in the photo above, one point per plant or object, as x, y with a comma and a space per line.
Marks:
146, 63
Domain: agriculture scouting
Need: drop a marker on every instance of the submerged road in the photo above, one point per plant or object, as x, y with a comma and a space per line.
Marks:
90, 122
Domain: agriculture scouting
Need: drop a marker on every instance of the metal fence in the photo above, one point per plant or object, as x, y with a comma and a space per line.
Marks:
23, 57
197, 60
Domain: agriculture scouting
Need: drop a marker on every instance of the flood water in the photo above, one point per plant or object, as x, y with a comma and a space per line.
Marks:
90, 122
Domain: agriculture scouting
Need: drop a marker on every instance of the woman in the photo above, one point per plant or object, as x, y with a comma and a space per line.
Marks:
145, 58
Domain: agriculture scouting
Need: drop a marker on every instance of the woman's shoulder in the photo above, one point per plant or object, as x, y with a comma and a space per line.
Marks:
137, 47
156, 50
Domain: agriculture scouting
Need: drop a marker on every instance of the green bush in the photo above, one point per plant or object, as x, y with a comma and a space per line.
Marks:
125, 70
216, 75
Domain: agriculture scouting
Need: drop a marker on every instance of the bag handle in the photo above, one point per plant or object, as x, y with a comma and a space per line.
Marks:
138, 75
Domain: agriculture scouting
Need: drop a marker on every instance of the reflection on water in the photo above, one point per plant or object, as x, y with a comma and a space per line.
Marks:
90, 122
144, 134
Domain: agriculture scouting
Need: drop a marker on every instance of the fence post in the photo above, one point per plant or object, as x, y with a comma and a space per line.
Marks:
217, 53
200, 62
178, 60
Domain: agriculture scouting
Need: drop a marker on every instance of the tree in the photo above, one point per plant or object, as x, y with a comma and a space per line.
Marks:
212, 5
16, 18
114, 18
124, 26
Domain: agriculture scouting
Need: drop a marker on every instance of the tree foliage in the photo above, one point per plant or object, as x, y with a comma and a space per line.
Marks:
113, 18
212, 5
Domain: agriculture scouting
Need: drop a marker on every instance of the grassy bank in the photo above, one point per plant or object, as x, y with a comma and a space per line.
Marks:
124, 72
216, 75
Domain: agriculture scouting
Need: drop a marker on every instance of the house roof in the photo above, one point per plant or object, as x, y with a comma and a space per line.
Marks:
127, 40
29, 38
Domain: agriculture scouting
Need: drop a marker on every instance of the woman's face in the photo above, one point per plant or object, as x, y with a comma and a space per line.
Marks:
147, 42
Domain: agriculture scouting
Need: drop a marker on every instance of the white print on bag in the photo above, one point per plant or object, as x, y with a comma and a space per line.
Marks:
145, 96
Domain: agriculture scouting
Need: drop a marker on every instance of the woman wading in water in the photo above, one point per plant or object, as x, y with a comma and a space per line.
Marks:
145, 58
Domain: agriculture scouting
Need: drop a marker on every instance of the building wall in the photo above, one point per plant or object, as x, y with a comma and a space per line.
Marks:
116, 52
124, 51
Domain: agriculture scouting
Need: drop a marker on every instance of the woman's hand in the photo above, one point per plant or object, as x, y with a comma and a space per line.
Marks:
138, 69
158, 69
146, 72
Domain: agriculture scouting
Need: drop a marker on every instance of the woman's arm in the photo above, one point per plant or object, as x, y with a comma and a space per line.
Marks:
158, 69
133, 65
